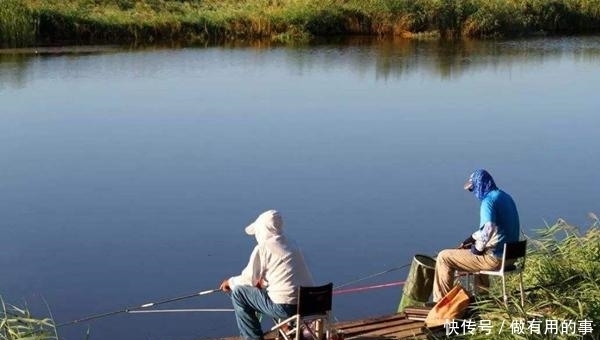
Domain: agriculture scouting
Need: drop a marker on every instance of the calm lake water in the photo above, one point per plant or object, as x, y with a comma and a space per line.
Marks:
127, 177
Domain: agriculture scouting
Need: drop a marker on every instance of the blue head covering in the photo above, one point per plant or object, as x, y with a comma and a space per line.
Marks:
481, 183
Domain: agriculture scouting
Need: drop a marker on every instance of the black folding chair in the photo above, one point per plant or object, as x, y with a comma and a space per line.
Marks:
312, 314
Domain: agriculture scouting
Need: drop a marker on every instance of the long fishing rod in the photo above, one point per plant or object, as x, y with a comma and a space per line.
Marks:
133, 309
335, 292
151, 304
182, 310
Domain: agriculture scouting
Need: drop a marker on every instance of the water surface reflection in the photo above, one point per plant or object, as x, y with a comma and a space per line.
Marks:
126, 175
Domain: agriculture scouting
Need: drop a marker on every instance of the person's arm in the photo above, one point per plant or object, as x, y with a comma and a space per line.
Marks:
252, 274
482, 238
487, 229
305, 271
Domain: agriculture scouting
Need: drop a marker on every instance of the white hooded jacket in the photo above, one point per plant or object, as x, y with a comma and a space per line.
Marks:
276, 263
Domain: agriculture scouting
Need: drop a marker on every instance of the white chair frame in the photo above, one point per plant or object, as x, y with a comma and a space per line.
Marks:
513, 252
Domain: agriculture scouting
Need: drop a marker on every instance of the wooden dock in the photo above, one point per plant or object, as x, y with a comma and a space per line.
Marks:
407, 325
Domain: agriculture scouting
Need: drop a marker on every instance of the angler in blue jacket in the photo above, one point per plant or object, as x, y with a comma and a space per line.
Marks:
499, 224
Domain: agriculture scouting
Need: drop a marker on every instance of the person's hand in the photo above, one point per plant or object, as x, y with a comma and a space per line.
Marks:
261, 284
476, 251
225, 286
467, 243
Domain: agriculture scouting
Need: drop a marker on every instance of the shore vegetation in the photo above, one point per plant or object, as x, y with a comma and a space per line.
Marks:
562, 284
18, 324
55, 22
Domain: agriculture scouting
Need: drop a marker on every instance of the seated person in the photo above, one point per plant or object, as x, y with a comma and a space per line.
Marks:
499, 224
269, 283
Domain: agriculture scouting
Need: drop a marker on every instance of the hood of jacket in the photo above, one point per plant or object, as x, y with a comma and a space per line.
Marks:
483, 183
267, 225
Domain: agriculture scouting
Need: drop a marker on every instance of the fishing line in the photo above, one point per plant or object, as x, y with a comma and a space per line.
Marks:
359, 289
372, 276
132, 309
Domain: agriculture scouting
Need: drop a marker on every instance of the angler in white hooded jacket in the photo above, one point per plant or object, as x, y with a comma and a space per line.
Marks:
269, 283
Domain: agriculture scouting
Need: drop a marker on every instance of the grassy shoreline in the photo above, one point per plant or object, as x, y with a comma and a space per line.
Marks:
562, 284
56, 22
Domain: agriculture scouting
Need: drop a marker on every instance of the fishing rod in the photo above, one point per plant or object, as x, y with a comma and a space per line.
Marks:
335, 292
137, 308
182, 310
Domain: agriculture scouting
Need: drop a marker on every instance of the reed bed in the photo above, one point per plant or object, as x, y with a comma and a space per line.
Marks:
562, 283
18, 324
17, 24
151, 21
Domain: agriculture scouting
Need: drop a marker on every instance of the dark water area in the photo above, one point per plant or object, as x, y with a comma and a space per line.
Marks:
127, 176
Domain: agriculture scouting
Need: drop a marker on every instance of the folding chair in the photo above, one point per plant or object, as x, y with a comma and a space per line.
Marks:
513, 252
314, 304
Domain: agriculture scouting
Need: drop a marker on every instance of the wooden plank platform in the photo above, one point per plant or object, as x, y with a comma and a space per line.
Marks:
406, 325
417, 313
392, 326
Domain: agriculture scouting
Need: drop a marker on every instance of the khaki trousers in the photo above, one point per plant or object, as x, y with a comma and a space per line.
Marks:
450, 260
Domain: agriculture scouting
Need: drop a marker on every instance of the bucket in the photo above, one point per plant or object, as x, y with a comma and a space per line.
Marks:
419, 283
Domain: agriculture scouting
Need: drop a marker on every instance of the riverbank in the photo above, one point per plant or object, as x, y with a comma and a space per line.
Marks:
54, 22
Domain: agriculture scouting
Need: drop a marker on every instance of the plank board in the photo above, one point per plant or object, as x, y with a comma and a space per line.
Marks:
386, 327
